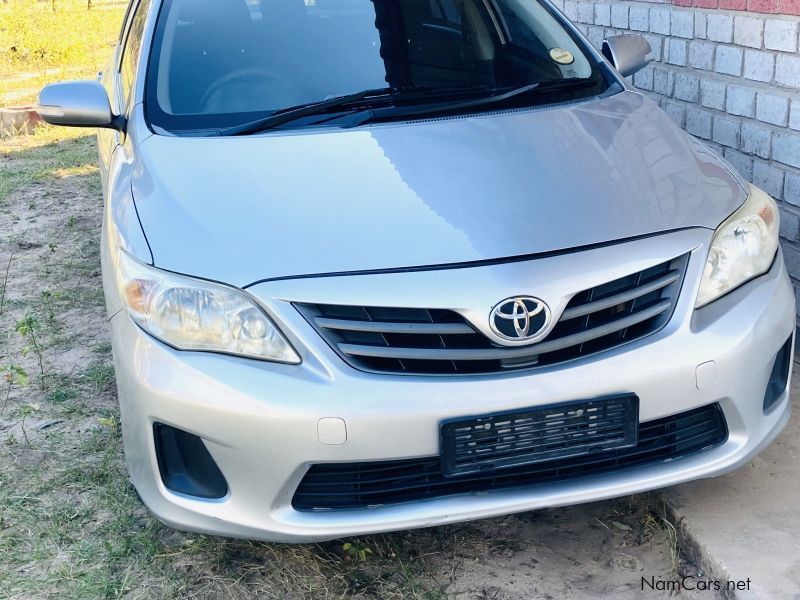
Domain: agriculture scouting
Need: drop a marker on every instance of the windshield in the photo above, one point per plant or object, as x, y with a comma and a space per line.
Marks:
220, 63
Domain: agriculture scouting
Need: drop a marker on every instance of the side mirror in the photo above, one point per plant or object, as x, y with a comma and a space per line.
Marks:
77, 104
628, 53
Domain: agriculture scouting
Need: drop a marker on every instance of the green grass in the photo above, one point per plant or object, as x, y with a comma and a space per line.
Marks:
40, 45
25, 160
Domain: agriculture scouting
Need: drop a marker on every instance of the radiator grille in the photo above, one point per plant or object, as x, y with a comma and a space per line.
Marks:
372, 484
440, 341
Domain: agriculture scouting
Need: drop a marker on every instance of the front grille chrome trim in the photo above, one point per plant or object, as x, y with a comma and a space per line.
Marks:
395, 327
505, 353
590, 307
442, 341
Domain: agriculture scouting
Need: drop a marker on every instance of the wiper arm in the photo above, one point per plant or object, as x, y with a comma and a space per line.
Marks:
293, 113
499, 96
369, 115
286, 115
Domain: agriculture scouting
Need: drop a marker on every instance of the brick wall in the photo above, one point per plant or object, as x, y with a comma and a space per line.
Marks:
728, 71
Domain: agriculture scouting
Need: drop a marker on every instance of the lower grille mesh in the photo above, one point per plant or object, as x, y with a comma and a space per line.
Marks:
371, 484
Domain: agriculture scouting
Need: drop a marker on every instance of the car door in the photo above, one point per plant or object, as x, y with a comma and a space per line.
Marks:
107, 139
118, 78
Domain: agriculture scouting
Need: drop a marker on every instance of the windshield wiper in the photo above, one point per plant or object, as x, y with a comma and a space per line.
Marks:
293, 113
363, 102
500, 95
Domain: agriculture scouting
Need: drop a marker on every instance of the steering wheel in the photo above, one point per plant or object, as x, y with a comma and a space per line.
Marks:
282, 91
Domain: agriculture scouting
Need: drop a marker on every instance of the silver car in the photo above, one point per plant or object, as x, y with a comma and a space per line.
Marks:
381, 264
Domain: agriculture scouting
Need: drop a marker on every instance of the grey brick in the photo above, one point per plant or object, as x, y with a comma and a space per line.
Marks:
756, 139
602, 14
676, 53
712, 94
769, 179
659, 20
772, 108
700, 25
655, 42
780, 34
748, 31
644, 79
559, 4
791, 189
682, 24
595, 35
585, 12
786, 148
759, 65
619, 16
571, 10
687, 87
787, 70
701, 55
796, 291
715, 148
741, 162
791, 256
729, 60
698, 123
719, 27
639, 18
794, 117
676, 111
741, 101
790, 222
726, 132
663, 82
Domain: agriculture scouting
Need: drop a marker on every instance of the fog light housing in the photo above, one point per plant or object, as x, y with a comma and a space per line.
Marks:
186, 465
779, 376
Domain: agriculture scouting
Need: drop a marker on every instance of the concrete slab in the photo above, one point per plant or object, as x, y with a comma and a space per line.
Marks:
747, 523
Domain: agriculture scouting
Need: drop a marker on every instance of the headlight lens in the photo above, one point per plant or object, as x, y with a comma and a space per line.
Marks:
191, 314
743, 247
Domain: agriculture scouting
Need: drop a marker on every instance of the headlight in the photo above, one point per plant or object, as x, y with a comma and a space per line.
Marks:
743, 247
191, 314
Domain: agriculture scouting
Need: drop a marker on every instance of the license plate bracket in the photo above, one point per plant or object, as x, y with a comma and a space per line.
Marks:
477, 444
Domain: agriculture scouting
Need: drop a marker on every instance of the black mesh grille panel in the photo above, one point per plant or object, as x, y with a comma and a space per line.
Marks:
370, 484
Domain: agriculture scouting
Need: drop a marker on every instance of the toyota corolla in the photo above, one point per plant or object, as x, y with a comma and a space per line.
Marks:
381, 264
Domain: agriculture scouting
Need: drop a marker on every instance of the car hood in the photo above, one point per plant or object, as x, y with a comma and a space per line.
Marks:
433, 192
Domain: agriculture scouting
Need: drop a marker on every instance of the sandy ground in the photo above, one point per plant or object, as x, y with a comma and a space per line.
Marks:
72, 526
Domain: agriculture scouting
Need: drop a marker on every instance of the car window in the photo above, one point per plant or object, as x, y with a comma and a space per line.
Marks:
130, 51
222, 62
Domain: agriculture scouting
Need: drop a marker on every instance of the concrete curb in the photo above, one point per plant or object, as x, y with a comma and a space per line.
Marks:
745, 525
698, 553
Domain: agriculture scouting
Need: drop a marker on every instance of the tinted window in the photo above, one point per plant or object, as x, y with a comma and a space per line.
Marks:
133, 44
222, 62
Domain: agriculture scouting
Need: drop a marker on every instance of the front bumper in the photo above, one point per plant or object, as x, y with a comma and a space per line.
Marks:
260, 420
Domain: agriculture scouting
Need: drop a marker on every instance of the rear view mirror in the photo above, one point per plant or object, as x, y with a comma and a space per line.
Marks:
76, 104
628, 53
